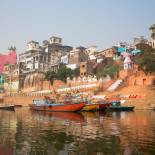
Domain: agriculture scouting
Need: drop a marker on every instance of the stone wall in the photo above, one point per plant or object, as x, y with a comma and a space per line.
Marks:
141, 80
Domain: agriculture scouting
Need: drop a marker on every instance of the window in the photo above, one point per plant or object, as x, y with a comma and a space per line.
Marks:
41, 59
44, 59
36, 58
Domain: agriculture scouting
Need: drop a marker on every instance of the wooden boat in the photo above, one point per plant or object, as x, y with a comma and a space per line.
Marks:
103, 105
7, 107
18, 106
46, 105
121, 108
116, 106
90, 107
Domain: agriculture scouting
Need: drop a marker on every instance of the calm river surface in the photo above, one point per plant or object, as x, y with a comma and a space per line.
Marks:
26, 132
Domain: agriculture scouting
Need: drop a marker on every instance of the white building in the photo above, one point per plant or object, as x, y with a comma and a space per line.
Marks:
127, 63
152, 28
33, 58
65, 59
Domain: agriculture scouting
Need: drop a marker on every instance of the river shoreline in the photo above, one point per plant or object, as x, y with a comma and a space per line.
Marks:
146, 100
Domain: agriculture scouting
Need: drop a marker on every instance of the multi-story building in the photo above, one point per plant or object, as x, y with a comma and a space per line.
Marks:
139, 40
34, 58
55, 51
87, 68
11, 78
91, 49
152, 29
108, 53
78, 55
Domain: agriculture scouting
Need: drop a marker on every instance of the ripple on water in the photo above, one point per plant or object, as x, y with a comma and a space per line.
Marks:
94, 133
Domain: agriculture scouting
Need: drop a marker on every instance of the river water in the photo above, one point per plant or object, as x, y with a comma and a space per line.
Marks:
26, 132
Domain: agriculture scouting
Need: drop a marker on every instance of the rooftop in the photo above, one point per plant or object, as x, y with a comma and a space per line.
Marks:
152, 27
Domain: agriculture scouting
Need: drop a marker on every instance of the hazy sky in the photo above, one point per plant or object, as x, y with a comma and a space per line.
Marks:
78, 22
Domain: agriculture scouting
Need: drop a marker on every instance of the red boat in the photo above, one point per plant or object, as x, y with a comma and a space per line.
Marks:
46, 105
102, 105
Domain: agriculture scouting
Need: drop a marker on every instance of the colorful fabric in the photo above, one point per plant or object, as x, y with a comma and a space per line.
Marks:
10, 58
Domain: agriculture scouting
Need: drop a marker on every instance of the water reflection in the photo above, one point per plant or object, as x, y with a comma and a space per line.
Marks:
29, 132
65, 116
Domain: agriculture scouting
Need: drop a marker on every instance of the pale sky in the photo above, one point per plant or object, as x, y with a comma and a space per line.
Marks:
79, 22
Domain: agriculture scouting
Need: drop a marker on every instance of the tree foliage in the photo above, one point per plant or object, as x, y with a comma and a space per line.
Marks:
50, 76
62, 73
76, 72
146, 60
110, 69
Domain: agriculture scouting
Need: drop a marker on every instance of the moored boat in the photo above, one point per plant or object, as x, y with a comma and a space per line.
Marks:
121, 108
46, 105
90, 107
103, 105
116, 106
18, 106
7, 107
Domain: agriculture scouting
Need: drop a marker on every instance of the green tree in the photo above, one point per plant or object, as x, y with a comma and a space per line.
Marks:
76, 72
50, 76
108, 68
64, 72
146, 60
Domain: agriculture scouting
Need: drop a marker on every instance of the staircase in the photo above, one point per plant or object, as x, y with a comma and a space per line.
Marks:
115, 85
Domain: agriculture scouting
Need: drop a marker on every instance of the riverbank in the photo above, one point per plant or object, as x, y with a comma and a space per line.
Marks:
145, 96
146, 99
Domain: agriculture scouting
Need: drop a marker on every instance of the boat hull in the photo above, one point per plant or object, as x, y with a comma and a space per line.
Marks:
120, 108
103, 106
7, 107
58, 107
89, 107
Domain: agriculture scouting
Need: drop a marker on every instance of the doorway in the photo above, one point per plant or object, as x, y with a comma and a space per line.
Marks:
144, 82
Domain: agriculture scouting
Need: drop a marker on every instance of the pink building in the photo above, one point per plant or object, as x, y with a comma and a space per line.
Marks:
10, 58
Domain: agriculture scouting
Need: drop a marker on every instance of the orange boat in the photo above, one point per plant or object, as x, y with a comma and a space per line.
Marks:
46, 105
